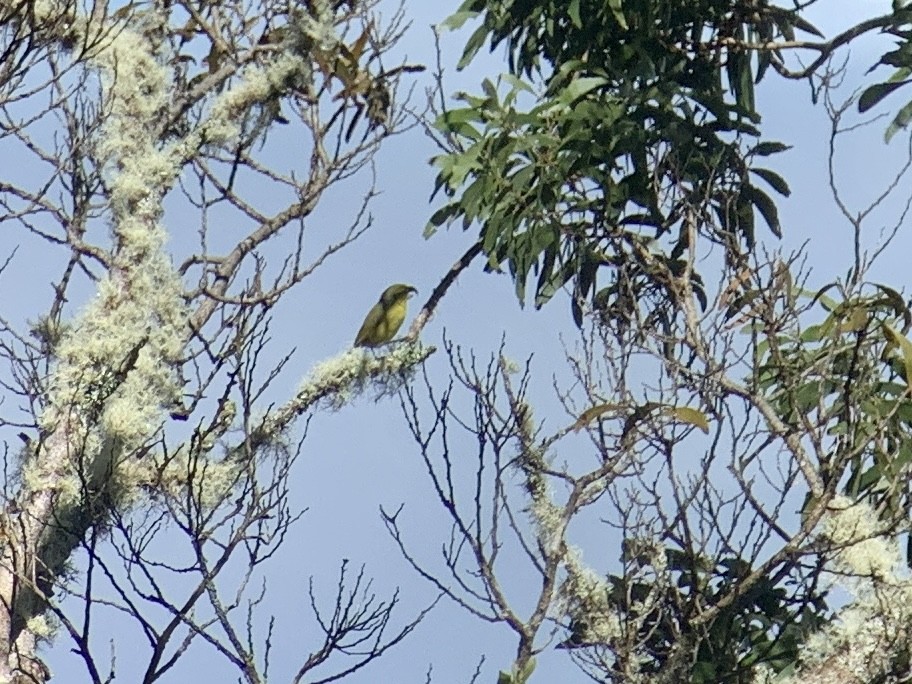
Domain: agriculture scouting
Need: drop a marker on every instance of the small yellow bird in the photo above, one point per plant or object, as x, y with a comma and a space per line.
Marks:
386, 316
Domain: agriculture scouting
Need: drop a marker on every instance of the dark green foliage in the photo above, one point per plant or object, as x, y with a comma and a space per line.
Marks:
623, 143
850, 374
731, 631
613, 137
900, 26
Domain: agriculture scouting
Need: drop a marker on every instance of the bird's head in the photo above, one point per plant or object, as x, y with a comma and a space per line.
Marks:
397, 293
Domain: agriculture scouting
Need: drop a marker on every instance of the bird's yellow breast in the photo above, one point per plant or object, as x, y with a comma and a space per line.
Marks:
383, 321
395, 314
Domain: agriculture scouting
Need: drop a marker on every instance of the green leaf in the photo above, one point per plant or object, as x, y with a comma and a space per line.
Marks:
765, 149
806, 26
828, 303
445, 214
473, 45
905, 348
776, 181
897, 302
741, 80
853, 319
458, 121
517, 83
876, 93
741, 302
550, 280
764, 59
617, 9
900, 121
868, 478
691, 416
577, 312
703, 672
453, 117
517, 676
457, 19
573, 11
766, 207
807, 397
896, 58
744, 212
490, 90
523, 675
579, 87
592, 413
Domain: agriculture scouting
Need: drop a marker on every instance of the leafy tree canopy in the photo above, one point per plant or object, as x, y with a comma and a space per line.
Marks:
622, 133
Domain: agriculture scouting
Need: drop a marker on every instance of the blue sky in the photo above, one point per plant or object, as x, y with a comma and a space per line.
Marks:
361, 458
482, 308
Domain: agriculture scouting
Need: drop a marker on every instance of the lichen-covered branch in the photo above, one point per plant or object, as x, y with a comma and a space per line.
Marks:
156, 106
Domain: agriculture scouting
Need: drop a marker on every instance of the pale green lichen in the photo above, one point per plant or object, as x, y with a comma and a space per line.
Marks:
138, 87
876, 625
64, 480
122, 351
42, 626
548, 518
44, 10
584, 596
117, 360
764, 674
258, 85
58, 21
318, 24
339, 379
866, 549
289, 69
336, 378
208, 481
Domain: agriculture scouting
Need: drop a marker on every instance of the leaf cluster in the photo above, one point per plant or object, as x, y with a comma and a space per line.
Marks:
640, 131
900, 58
848, 379
732, 630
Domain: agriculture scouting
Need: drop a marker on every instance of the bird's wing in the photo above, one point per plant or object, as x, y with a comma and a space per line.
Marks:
374, 318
